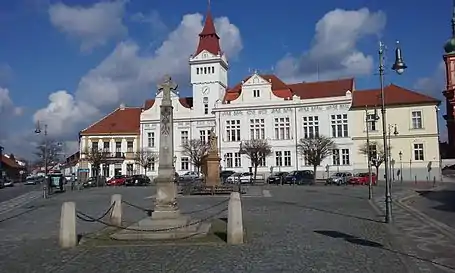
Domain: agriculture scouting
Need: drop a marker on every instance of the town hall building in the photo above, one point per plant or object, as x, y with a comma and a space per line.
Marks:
260, 106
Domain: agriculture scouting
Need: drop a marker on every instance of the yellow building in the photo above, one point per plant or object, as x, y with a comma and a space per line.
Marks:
412, 132
117, 135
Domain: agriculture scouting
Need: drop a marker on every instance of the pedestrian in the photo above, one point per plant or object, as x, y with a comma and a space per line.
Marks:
72, 181
49, 184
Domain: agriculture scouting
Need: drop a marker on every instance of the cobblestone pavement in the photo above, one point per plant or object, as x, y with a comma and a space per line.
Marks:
18, 189
18, 201
421, 237
438, 204
294, 229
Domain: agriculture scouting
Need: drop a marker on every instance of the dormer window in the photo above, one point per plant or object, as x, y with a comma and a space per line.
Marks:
256, 93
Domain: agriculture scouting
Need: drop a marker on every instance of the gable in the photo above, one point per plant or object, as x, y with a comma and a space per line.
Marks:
256, 80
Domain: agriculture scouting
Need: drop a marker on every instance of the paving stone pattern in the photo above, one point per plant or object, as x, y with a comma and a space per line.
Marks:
297, 229
21, 200
434, 249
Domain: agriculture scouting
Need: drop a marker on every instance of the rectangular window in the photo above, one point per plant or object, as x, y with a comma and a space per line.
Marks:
229, 158
204, 135
282, 128
184, 136
185, 163
129, 146
305, 160
287, 158
152, 164
106, 147
418, 152
336, 157
106, 170
256, 93
310, 127
118, 149
206, 105
233, 130
373, 151
151, 139
371, 120
339, 124
278, 158
129, 169
345, 157
237, 160
262, 161
94, 145
417, 120
257, 128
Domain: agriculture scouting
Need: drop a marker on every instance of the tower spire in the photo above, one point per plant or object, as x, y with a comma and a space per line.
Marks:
208, 38
449, 46
453, 19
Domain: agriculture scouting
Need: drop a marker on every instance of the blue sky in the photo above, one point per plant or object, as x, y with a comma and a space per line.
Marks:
89, 53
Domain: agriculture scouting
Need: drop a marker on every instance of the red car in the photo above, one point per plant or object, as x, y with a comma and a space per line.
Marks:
118, 180
363, 179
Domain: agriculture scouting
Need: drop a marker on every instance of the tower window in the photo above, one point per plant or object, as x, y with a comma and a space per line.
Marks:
205, 70
197, 70
213, 69
206, 105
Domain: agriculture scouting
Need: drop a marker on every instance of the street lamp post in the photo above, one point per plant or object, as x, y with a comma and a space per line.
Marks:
399, 67
45, 155
401, 166
389, 154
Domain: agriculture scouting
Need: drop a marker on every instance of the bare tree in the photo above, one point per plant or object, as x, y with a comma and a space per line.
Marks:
256, 150
195, 149
315, 150
96, 157
144, 158
377, 154
49, 149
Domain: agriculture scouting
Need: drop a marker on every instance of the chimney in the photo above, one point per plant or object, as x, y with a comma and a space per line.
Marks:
122, 106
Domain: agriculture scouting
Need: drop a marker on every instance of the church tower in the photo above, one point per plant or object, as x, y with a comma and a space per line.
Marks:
209, 68
449, 93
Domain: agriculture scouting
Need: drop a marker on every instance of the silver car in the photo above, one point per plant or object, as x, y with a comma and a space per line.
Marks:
339, 179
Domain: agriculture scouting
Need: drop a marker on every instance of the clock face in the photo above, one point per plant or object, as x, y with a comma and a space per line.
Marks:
205, 90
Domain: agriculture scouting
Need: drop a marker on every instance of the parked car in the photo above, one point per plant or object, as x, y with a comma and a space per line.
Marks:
189, 176
363, 179
277, 178
225, 174
339, 179
299, 177
90, 182
239, 178
118, 180
137, 180
31, 181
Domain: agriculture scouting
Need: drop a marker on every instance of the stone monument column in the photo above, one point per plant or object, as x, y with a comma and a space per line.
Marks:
166, 204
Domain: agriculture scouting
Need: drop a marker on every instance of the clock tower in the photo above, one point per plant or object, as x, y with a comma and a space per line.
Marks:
209, 69
449, 92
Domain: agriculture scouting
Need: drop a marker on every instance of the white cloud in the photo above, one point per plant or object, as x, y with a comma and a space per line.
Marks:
434, 84
334, 52
153, 19
93, 26
127, 75
7, 107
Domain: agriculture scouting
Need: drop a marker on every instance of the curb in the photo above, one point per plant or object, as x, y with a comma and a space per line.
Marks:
410, 267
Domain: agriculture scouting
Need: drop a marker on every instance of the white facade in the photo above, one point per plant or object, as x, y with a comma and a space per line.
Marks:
282, 122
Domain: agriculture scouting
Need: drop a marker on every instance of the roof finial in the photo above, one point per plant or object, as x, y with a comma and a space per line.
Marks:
209, 4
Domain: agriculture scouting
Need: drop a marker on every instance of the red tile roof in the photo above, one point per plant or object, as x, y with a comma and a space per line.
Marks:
305, 90
394, 95
208, 38
124, 120
10, 162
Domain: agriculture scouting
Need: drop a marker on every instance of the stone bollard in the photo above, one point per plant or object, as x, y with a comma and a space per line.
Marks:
68, 236
235, 220
116, 213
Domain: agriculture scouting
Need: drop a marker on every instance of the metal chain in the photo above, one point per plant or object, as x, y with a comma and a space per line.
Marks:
91, 219
137, 207
207, 208
154, 230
